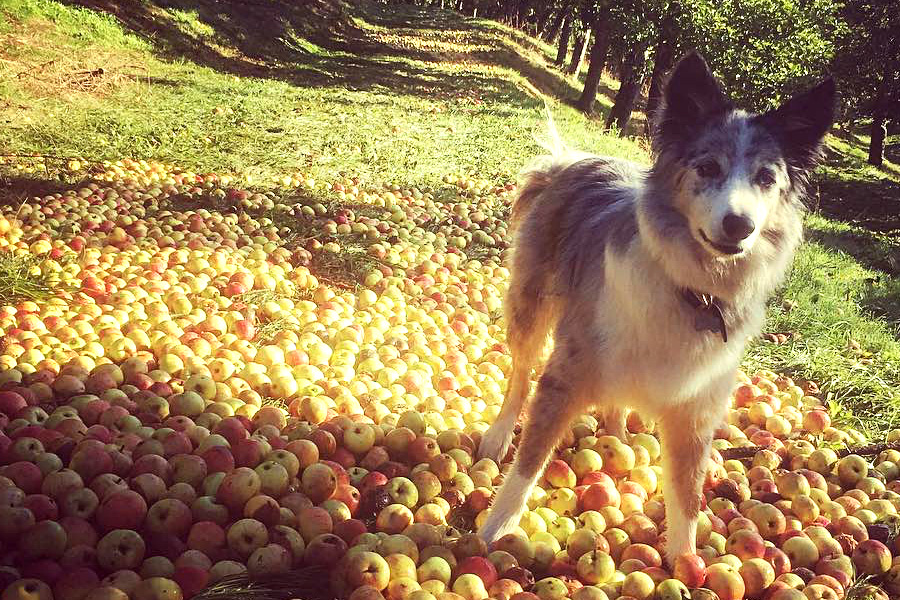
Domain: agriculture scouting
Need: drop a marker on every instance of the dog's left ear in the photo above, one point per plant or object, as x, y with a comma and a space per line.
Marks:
800, 124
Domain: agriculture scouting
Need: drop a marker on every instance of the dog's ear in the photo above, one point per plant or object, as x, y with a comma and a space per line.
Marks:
800, 124
692, 95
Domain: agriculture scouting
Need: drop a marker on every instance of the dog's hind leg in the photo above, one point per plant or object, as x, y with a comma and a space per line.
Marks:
614, 422
529, 322
557, 401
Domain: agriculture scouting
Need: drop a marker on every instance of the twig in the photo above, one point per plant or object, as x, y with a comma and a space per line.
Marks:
51, 156
865, 450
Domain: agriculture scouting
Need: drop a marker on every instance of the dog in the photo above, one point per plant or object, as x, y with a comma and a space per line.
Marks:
651, 280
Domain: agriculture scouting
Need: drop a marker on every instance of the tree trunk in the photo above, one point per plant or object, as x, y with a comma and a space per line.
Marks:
595, 69
578, 53
878, 131
540, 25
663, 58
522, 16
515, 10
564, 35
634, 68
557, 22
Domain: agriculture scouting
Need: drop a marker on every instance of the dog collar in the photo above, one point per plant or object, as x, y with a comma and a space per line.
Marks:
707, 312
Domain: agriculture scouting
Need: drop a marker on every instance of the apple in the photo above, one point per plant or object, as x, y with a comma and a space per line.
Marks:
434, 567
191, 580
76, 584
672, 589
237, 487
758, 575
207, 537
872, 557
291, 540
225, 568
27, 589
120, 549
319, 481
470, 587
595, 567
690, 569
272, 559
207, 508
325, 549
273, 477
157, 588
745, 544
725, 581
44, 539
480, 566
169, 516
851, 469
402, 491
246, 535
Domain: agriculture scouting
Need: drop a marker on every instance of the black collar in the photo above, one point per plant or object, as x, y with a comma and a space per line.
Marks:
707, 312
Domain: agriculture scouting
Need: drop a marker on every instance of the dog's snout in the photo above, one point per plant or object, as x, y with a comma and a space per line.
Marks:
738, 227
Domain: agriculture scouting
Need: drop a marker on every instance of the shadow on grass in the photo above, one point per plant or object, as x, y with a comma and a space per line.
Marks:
18, 188
849, 192
317, 43
879, 253
873, 251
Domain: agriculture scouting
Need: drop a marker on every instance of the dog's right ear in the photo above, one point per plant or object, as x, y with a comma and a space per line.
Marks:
692, 95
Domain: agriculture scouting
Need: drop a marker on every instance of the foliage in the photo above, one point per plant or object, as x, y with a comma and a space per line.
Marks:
869, 54
762, 50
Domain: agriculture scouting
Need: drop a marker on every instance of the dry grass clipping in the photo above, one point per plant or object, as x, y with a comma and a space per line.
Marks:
25, 61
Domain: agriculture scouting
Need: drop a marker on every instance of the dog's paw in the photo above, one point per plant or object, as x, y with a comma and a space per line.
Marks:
494, 529
495, 442
675, 548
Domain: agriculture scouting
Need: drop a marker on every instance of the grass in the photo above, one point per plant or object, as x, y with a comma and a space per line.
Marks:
404, 96
422, 102
22, 279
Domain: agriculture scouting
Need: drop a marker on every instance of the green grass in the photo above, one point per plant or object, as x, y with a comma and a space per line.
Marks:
21, 279
452, 101
402, 95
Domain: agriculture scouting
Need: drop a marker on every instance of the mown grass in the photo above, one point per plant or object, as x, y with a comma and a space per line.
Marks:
421, 103
402, 95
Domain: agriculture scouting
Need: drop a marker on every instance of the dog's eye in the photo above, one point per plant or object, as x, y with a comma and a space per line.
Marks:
765, 178
709, 169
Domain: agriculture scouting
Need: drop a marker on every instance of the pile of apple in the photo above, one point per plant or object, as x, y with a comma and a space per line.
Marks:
195, 402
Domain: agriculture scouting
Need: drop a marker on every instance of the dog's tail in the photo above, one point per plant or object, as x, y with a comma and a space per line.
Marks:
539, 173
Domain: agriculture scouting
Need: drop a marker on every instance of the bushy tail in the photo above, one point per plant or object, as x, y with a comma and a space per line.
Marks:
539, 173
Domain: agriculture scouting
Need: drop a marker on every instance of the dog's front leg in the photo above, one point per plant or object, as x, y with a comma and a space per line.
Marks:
687, 434
554, 406
496, 440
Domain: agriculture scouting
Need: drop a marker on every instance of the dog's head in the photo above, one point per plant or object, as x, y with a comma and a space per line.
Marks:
728, 169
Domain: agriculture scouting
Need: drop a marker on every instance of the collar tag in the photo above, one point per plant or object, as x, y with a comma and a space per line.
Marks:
707, 313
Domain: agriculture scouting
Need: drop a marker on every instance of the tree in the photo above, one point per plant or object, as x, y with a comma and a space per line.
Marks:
868, 66
663, 59
563, 50
581, 43
599, 49
555, 25
763, 51
633, 73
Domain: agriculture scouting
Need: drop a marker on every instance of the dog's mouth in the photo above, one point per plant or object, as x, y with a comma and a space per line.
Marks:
728, 249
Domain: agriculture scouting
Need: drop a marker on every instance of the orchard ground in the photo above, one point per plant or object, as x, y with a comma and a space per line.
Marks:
406, 97
355, 170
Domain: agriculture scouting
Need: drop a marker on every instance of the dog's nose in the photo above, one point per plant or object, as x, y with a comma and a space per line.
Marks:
738, 227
